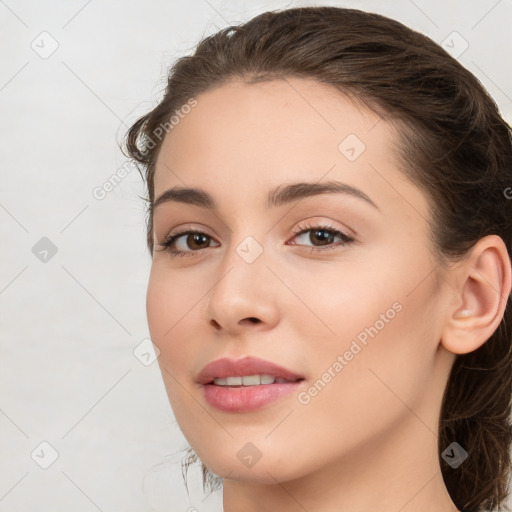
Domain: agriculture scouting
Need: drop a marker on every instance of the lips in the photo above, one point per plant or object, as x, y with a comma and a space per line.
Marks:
225, 367
246, 399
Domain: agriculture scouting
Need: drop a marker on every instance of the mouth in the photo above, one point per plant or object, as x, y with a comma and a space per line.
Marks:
248, 371
246, 384
249, 381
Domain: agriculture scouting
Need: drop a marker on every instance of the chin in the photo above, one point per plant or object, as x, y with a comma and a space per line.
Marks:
266, 470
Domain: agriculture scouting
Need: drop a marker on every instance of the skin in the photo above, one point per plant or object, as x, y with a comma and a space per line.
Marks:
368, 440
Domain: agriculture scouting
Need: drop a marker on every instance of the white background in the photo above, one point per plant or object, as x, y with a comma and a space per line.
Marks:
68, 375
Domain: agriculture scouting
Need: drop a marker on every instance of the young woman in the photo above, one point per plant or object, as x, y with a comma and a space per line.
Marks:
329, 219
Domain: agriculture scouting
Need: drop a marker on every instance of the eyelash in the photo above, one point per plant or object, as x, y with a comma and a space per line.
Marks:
346, 240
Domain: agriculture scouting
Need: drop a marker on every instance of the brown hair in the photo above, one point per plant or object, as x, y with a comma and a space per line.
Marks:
454, 145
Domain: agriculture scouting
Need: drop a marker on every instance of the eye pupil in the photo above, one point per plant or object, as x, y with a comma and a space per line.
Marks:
327, 237
197, 237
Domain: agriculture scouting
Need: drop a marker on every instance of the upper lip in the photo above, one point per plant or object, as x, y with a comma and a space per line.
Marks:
226, 367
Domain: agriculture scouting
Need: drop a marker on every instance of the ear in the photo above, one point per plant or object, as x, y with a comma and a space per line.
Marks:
480, 296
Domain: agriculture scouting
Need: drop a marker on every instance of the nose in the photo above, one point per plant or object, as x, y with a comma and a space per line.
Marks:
245, 296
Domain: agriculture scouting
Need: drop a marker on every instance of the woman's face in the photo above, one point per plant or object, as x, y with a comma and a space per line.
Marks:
359, 322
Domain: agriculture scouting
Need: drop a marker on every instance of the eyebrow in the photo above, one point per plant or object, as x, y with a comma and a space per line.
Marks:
277, 197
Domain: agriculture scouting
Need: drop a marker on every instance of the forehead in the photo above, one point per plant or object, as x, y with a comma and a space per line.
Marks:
291, 115
243, 138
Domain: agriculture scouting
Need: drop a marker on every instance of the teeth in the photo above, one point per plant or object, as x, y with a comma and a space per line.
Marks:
248, 380
251, 380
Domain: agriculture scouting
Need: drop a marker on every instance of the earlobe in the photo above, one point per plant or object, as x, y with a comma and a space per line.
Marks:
485, 283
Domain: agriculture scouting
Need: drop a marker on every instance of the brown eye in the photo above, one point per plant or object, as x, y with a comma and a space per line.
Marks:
322, 236
186, 243
192, 240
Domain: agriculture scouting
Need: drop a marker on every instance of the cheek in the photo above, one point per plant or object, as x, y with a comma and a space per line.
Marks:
169, 299
167, 321
169, 309
382, 321
158, 309
170, 305
378, 380
343, 305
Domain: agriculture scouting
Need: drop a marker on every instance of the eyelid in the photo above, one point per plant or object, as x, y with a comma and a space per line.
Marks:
313, 220
184, 228
326, 221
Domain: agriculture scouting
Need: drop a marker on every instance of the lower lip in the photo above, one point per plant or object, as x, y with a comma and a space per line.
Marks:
249, 398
